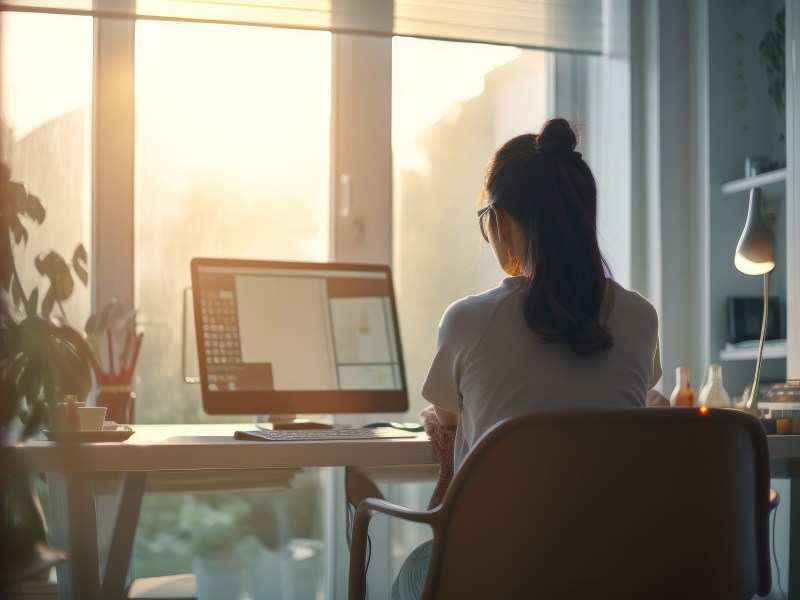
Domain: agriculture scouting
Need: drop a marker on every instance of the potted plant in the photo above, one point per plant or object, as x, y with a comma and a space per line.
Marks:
42, 358
773, 56
113, 336
220, 537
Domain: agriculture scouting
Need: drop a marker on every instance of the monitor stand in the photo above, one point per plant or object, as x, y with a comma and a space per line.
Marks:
289, 422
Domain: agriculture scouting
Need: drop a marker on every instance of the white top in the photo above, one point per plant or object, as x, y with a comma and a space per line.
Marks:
489, 365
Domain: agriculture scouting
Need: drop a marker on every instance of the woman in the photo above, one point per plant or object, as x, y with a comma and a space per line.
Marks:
558, 332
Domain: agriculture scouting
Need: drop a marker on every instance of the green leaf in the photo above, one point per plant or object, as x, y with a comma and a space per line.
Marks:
15, 368
772, 51
10, 408
33, 302
118, 316
80, 263
18, 230
37, 417
35, 209
17, 294
50, 387
53, 266
30, 382
49, 301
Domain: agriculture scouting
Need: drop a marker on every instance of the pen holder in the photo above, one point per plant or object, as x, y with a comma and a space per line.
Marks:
120, 401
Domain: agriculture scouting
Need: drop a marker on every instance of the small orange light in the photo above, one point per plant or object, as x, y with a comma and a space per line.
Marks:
703, 410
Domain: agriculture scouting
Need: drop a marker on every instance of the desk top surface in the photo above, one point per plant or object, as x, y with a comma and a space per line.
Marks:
212, 447
784, 446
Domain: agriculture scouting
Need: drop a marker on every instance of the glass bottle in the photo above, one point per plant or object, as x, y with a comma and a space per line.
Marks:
683, 394
713, 393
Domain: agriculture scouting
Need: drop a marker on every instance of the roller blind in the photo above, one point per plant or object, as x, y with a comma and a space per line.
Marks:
566, 25
569, 25
359, 16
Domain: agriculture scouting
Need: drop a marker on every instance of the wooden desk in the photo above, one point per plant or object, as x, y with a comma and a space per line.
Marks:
208, 451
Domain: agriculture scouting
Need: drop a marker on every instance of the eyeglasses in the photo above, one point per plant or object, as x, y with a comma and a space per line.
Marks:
481, 221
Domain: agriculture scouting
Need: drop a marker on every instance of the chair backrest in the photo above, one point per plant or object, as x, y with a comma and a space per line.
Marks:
608, 503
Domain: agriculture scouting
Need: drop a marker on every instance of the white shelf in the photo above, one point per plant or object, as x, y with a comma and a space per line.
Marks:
748, 183
772, 349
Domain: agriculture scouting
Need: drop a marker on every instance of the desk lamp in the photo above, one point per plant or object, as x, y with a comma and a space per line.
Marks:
755, 255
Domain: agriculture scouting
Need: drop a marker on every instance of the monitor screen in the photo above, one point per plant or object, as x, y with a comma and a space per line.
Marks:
296, 338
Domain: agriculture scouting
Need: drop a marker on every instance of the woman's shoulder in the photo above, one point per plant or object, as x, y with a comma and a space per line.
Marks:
631, 302
471, 308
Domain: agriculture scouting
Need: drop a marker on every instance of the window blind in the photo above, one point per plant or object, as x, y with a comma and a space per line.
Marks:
568, 25
562, 25
358, 16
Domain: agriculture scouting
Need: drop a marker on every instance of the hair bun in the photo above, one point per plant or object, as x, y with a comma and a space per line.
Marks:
556, 137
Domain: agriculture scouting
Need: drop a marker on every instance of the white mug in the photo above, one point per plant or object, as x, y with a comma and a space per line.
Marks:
92, 417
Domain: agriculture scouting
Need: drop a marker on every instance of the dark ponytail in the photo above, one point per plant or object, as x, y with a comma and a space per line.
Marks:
550, 192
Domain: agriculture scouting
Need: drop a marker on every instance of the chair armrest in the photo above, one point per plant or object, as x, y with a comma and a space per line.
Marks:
359, 486
358, 538
374, 505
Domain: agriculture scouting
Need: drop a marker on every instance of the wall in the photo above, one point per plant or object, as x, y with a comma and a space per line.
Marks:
742, 122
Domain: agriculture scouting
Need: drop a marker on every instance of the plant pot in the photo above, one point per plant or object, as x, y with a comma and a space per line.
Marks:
220, 578
120, 401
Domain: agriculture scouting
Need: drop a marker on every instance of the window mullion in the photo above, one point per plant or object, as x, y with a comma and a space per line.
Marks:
113, 159
361, 169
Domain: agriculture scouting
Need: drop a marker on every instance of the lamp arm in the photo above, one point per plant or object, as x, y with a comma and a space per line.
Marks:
754, 387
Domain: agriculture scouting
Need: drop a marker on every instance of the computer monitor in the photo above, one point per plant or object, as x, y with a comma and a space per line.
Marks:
296, 338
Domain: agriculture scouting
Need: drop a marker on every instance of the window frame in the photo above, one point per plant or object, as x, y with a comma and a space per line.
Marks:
360, 186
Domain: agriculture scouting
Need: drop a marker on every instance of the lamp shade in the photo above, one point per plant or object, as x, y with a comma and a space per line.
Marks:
755, 252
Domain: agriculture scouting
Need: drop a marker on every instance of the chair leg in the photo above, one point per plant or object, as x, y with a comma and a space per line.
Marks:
358, 554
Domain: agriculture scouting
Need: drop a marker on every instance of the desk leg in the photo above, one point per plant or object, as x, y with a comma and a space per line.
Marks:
124, 516
793, 592
75, 530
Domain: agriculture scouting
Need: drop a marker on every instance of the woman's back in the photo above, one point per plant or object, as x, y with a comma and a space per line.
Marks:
490, 365
558, 333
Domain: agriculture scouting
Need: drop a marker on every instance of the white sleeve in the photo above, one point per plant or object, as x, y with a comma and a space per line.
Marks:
441, 387
656, 364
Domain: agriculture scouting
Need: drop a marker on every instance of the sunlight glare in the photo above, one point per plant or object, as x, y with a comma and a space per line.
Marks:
236, 100
429, 79
33, 44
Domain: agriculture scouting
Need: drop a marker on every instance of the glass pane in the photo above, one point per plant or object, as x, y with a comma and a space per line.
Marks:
45, 129
444, 131
233, 152
258, 545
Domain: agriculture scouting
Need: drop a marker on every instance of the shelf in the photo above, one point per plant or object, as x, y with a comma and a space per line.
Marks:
748, 183
772, 349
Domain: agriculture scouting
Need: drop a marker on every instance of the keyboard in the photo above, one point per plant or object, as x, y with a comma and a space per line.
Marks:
336, 433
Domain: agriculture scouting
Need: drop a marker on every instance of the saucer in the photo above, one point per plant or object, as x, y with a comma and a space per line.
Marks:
88, 437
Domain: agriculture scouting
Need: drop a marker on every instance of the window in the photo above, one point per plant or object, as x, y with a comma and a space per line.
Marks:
233, 157
232, 160
444, 131
46, 101
233, 150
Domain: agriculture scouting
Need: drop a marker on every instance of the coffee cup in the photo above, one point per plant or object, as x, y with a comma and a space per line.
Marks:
92, 417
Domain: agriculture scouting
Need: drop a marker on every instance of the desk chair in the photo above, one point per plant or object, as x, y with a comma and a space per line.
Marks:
600, 503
